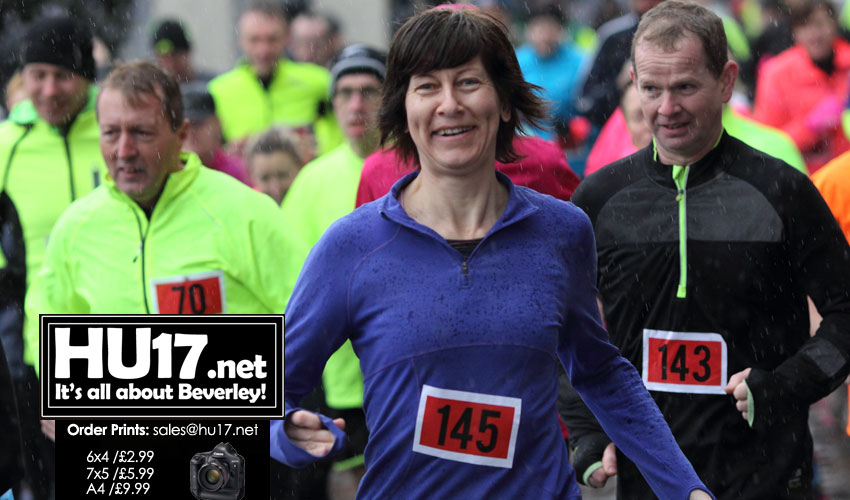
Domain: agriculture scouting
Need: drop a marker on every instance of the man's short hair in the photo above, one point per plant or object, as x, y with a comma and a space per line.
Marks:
141, 78
551, 11
669, 22
331, 22
268, 8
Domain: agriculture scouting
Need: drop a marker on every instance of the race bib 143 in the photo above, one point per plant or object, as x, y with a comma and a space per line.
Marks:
685, 362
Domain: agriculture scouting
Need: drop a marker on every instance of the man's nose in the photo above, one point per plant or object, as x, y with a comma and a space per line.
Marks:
357, 100
50, 87
126, 146
669, 104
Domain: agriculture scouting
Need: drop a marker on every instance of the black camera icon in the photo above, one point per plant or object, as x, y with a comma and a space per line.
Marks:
218, 474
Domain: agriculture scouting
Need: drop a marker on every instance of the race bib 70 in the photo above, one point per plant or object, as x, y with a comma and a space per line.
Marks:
685, 362
467, 426
199, 293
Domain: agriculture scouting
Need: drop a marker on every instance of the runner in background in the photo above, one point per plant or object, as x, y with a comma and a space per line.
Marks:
707, 251
50, 158
266, 88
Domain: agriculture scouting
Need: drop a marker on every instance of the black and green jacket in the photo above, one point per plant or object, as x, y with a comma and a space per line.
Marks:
42, 170
729, 246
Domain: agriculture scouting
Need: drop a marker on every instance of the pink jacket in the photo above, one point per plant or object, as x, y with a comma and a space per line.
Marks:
790, 86
543, 167
614, 142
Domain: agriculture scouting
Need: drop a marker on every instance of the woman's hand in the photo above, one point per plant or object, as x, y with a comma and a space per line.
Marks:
699, 495
305, 429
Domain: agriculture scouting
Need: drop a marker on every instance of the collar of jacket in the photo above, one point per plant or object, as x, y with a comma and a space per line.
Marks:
175, 184
245, 66
703, 170
25, 114
519, 206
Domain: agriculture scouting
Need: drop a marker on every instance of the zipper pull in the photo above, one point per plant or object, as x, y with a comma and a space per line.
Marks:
138, 252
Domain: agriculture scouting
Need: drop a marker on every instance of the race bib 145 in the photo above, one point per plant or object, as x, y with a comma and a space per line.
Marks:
467, 426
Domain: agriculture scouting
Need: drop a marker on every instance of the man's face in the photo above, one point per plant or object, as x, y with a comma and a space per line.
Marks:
309, 40
138, 144
681, 99
58, 94
544, 34
356, 104
262, 39
178, 63
204, 138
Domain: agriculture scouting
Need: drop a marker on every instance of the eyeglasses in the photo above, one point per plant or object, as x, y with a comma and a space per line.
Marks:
366, 93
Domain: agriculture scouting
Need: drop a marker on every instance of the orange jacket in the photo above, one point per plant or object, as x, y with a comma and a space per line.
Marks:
833, 182
790, 86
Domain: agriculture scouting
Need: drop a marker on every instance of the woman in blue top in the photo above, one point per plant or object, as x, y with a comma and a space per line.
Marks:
461, 293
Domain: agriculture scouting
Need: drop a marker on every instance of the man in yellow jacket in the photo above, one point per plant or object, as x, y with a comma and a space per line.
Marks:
268, 89
164, 234
49, 157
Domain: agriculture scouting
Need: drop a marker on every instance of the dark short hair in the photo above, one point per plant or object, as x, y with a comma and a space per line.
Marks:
331, 21
445, 38
802, 10
268, 8
551, 11
142, 78
669, 22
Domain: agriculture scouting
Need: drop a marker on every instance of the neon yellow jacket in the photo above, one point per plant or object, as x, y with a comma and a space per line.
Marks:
43, 170
294, 96
212, 245
771, 140
325, 190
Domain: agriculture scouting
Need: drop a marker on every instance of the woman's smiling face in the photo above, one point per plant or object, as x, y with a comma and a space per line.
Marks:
453, 117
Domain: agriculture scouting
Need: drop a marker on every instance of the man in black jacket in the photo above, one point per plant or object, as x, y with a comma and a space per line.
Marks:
707, 252
11, 467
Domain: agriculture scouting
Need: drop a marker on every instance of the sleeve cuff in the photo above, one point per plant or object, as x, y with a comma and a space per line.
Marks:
589, 471
751, 406
288, 453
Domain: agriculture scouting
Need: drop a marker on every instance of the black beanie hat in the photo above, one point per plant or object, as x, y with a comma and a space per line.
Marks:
170, 37
61, 41
358, 58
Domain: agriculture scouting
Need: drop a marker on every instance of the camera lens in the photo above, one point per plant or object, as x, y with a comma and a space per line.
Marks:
212, 477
